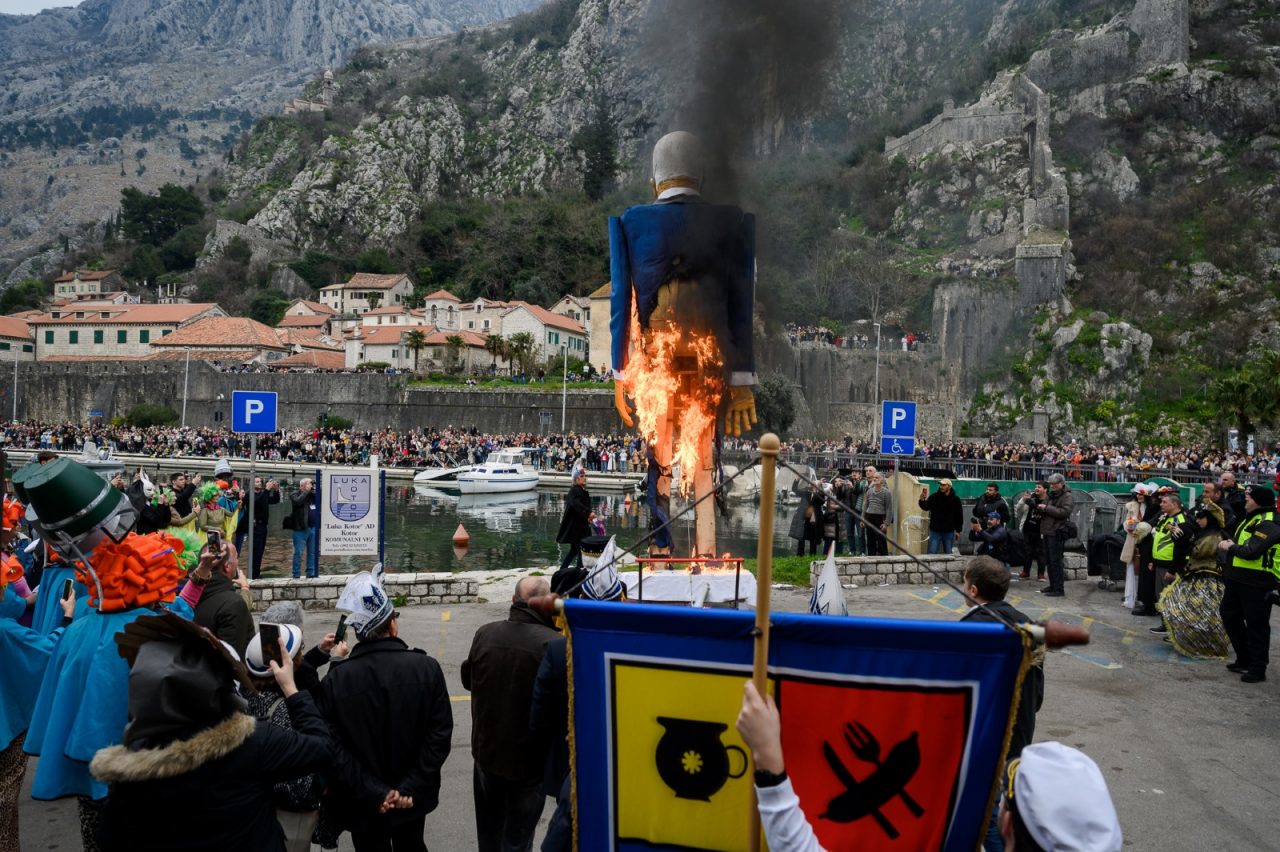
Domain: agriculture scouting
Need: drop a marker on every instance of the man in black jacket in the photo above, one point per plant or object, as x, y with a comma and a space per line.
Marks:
946, 516
221, 610
263, 499
500, 671
1254, 548
388, 708
987, 582
991, 501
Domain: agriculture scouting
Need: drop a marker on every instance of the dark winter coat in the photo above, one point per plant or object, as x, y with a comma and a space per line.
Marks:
263, 500
1056, 512
574, 526
992, 541
389, 711
223, 612
986, 505
212, 791
499, 671
946, 512
1024, 727
549, 714
301, 509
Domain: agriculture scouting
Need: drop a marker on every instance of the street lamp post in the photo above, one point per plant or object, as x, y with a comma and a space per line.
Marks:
877, 408
15, 388
186, 376
564, 382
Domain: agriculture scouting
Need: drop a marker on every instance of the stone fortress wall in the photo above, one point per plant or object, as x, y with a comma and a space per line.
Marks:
970, 319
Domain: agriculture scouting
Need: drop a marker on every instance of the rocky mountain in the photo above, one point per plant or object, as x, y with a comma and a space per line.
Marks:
1077, 197
113, 93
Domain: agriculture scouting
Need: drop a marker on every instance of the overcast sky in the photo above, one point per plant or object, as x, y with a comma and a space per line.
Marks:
30, 7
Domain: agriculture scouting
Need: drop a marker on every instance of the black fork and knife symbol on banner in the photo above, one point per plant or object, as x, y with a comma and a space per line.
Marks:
887, 781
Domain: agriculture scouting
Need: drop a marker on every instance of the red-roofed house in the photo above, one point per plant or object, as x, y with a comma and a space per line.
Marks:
16, 343
121, 331
306, 314
550, 331
365, 291
71, 285
312, 359
482, 315
442, 309
394, 315
472, 357
385, 344
224, 335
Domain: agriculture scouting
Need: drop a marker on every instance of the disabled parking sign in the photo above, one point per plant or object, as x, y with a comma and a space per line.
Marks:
897, 428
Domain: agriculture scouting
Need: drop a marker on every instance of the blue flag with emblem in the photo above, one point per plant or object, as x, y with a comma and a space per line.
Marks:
893, 731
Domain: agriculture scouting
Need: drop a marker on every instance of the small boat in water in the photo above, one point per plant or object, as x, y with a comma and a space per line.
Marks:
503, 472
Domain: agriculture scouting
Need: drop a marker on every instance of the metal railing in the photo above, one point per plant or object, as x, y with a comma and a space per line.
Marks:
1009, 471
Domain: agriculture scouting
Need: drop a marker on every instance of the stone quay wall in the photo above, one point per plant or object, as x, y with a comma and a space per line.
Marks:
62, 391
318, 593
903, 571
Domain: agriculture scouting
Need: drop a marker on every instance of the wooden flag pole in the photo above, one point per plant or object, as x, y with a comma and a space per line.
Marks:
769, 446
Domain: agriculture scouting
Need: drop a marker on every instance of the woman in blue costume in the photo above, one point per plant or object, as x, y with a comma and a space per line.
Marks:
82, 707
24, 654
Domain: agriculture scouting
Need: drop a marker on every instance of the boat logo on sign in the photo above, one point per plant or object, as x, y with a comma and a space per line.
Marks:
350, 496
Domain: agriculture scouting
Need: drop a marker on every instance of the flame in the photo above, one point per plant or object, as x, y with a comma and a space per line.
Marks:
675, 376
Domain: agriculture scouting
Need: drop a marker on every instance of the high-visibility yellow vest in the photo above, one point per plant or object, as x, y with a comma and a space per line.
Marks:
1270, 560
1162, 540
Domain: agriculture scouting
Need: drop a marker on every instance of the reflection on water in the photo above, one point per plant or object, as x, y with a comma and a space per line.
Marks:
519, 530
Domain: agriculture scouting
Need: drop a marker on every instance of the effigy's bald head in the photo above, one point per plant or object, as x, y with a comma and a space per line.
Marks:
678, 165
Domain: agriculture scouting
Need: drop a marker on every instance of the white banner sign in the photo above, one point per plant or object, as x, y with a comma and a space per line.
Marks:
349, 513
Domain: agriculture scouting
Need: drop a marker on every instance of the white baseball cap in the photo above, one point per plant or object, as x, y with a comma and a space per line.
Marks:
1063, 800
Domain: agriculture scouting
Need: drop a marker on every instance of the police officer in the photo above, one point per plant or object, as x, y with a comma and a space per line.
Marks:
1254, 573
1171, 538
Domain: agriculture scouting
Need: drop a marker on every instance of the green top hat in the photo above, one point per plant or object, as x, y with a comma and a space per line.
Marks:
69, 499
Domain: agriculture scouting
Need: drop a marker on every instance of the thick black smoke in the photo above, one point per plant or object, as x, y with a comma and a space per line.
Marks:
743, 73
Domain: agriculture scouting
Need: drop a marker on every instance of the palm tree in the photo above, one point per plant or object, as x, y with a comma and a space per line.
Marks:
452, 352
521, 346
496, 346
1234, 395
416, 341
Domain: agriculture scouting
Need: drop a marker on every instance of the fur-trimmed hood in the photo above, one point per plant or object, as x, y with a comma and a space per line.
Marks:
118, 764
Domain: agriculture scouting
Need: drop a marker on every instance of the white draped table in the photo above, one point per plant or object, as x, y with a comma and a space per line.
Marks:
680, 587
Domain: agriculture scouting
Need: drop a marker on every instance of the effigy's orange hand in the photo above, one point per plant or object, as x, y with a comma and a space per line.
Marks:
620, 403
741, 415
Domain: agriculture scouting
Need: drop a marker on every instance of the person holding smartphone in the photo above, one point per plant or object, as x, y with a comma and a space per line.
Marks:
194, 771
221, 608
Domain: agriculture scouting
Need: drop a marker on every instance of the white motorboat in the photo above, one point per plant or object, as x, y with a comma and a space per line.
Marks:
503, 472
439, 475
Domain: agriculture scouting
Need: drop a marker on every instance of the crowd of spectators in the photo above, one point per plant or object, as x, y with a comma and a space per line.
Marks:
820, 335
620, 452
449, 447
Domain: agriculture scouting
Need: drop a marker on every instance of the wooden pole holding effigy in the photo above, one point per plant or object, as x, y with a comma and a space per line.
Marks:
769, 446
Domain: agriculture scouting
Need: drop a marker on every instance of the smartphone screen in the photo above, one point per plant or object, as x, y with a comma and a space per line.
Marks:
340, 634
270, 634
67, 586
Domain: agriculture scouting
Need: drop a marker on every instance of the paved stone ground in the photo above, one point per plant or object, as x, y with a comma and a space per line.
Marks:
1188, 751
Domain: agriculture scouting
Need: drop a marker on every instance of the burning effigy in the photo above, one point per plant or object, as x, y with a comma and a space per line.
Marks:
683, 288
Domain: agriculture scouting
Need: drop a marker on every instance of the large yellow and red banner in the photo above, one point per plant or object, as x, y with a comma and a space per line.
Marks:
892, 730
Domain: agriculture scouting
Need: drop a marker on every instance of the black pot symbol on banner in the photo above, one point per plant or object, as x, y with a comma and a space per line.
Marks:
691, 759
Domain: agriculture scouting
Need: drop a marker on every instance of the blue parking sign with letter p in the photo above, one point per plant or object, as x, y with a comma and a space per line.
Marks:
898, 419
254, 411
